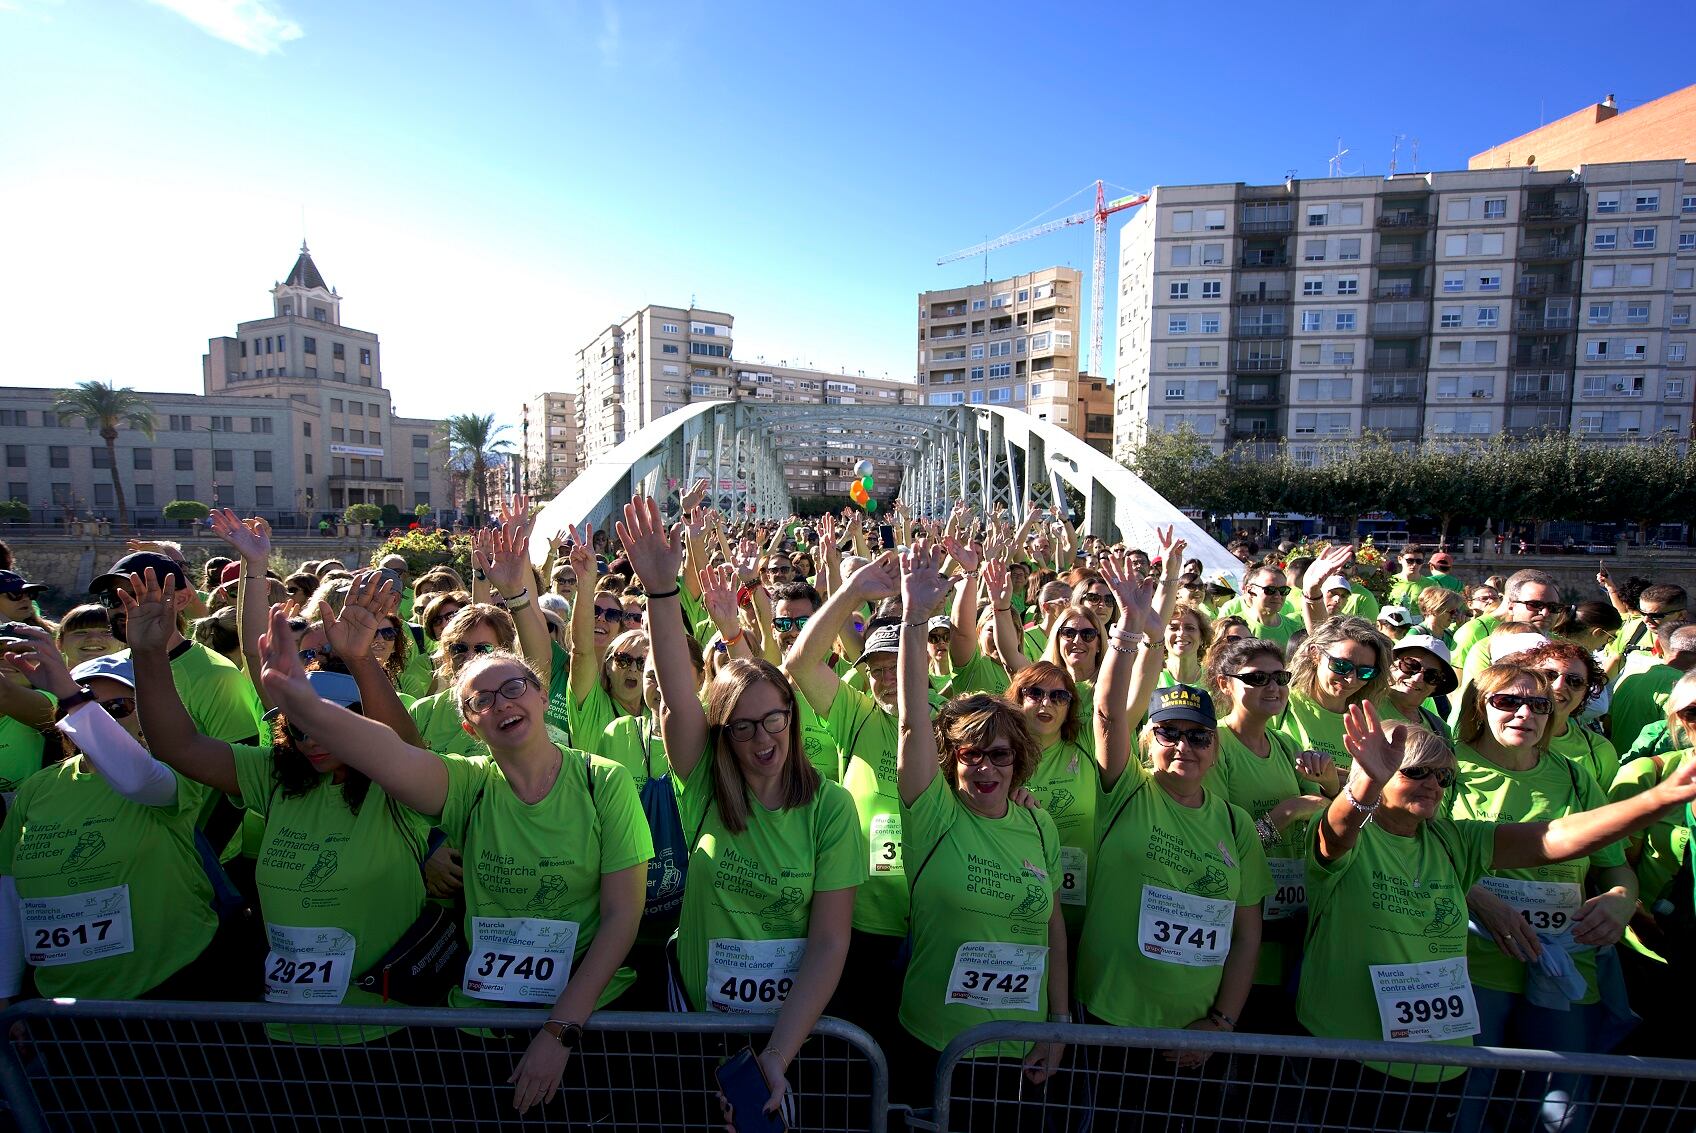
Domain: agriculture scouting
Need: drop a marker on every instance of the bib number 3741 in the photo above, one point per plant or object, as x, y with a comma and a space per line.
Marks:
77, 928
997, 977
1181, 928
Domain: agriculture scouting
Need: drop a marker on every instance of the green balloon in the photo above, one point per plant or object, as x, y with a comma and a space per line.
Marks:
866, 481
871, 506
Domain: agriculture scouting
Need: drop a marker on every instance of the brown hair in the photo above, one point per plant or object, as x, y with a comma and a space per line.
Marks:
1052, 653
1304, 664
428, 605
1564, 653
468, 619
1473, 722
976, 721
1433, 600
1229, 658
1040, 672
730, 790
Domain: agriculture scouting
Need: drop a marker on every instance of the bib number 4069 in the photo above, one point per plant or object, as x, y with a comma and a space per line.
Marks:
747, 990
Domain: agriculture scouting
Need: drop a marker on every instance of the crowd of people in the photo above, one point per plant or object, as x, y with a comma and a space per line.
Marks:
993, 771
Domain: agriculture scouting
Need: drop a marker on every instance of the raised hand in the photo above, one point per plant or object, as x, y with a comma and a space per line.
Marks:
718, 595
1172, 559
32, 652
1369, 744
655, 553
581, 555
878, 579
1134, 594
1335, 560
961, 552
280, 670
150, 611
922, 582
826, 527
369, 602
250, 539
1318, 767
691, 499
995, 581
503, 553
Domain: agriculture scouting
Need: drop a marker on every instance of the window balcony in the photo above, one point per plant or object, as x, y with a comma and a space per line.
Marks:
1253, 298
1399, 328
1543, 360
1406, 220
1549, 250
1256, 393
1265, 227
1543, 285
1403, 388
1544, 324
1555, 395
1263, 330
1260, 365
1550, 213
1264, 261
1396, 361
1264, 431
1404, 289
1391, 254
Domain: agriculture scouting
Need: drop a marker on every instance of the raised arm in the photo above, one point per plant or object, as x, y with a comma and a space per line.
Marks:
830, 556
657, 555
963, 642
1139, 626
1376, 758
1335, 560
170, 731
585, 666
1524, 845
370, 600
503, 554
251, 540
1004, 630
1171, 566
808, 664
922, 587
413, 777
717, 587
1114, 727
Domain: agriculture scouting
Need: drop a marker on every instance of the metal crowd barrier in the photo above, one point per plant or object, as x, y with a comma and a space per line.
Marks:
98, 1065
1117, 1078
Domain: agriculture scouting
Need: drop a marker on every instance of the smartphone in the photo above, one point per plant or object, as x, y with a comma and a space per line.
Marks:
744, 1086
885, 537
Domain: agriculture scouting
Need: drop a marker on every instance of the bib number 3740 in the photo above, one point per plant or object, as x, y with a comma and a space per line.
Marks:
519, 959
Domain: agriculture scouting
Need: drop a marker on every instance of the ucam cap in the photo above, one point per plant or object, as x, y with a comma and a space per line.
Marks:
1183, 702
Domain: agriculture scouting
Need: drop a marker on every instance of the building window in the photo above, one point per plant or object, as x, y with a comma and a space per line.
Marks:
357, 436
14, 417
309, 345
1348, 285
668, 348
364, 356
1176, 325
1637, 312
15, 457
179, 423
1601, 314
1210, 324
308, 458
1608, 201
99, 457
669, 328
1681, 315
1317, 216
1449, 318
1647, 200
1313, 251
1643, 237
1495, 208
1313, 287
976, 374
1454, 281
144, 495
103, 495
337, 433
1213, 220
1001, 370
1180, 256
420, 470
1312, 320
223, 460
1180, 290
977, 350
1676, 351
1686, 241
58, 456
262, 460
222, 424
263, 495
1345, 320
259, 424
1490, 281
1489, 316
184, 462
1210, 289
1596, 348
1348, 248
142, 459
1000, 394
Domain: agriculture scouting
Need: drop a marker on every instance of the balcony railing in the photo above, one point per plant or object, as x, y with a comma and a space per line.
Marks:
1265, 227
1405, 388
1544, 324
1543, 360
1408, 290
1549, 250
1544, 214
1406, 220
1392, 363
1255, 393
1403, 254
1266, 262
1263, 330
948, 313
1260, 365
1541, 285
1243, 431
1253, 298
1399, 327
1539, 396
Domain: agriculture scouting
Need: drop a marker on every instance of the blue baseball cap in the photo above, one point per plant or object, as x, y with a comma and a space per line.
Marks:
337, 688
1183, 702
113, 666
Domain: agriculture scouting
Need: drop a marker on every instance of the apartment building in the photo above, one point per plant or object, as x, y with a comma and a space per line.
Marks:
1659, 129
350, 445
821, 461
1012, 342
550, 443
1419, 306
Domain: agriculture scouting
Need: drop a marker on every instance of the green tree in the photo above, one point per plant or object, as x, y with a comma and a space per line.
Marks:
186, 510
14, 511
1174, 464
472, 440
104, 408
1648, 484
362, 513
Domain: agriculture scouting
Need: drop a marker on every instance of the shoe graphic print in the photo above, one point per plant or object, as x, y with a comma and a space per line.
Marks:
1213, 883
88, 848
548, 893
1060, 802
1444, 916
328, 862
785, 912
1035, 902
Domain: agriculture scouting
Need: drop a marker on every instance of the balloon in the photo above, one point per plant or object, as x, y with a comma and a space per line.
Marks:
871, 507
866, 483
862, 468
857, 492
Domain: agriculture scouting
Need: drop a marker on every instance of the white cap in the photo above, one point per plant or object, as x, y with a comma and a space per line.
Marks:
1395, 616
1223, 580
941, 621
1507, 644
1335, 582
1437, 649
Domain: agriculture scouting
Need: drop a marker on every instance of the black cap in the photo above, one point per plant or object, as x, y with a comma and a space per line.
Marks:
11, 582
1183, 702
135, 563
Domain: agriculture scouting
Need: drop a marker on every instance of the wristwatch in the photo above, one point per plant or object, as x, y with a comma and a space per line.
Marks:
83, 695
568, 1034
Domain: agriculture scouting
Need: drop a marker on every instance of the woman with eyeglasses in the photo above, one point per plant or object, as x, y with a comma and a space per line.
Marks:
1280, 788
475, 631
1574, 680
1172, 940
775, 852
1506, 772
1419, 671
988, 935
1343, 662
1389, 870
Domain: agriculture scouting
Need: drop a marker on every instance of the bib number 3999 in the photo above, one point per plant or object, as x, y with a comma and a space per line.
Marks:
1426, 1002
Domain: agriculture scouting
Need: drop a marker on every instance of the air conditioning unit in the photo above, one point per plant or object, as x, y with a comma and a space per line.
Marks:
1619, 387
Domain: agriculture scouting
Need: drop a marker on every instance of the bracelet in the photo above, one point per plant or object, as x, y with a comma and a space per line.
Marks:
1348, 793
771, 1048
255, 577
672, 593
1219, 1016
920, 624
1268, 830
732, 640
1059, 1017
1002, 609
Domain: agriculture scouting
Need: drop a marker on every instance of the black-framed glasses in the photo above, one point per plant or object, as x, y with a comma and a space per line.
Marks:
1195, 737
1657, 617
1537, 607
1274, 591
1343, 667
772, 723
623, 660
1445, 776
1079, 633
460, 649
1413, 562
786, 625
973, 756
511, 689
613, 614
1511, 702
1430, 674
1562, 677
1058, 697
940, 637
387, 633
1259, 678
119, 706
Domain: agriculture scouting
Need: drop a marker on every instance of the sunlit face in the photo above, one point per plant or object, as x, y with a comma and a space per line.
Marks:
789, 616
86, 644
1411, 673
1570, 682
480, 638
314, 645
880, 678
1535, 603
650, 685
383, 646
1483, 601
1268, 699
609, 621
625, 662
440, 617
1334, 601
118, 699
1335, 686
1187, 758
565, 581
1098, 599
1183, 634
1266, 594
506, 722
937, 643
762, 751
1419, 798
1080, 646
982, 784
1515, 727
1046, 705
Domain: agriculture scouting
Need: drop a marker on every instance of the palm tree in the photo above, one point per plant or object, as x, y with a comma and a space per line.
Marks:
472, 440
103, 407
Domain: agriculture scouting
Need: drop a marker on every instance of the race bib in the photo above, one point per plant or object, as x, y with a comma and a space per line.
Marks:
1547, 906
519, 959
307, 965
886, 846
1074, 875
1422, 1003
997, 977
1289, 889
752, 977
1181, 928
78, 928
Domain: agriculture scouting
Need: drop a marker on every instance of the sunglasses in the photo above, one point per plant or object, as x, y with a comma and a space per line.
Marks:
460, 649
1411, 668
1445, 776
772, 722
974, 756
110, 599
1537, 607
1079, 633
613, 614
1275, 591
1559, 677
1258, 679
787, 625
1195, 737
622, 660
940, 637
307, 656
1511, 702
119, 706
1660, 616
1097, 599
1346, 668
1058, 697
507, 690
387, 633
1413, 561
1687, 715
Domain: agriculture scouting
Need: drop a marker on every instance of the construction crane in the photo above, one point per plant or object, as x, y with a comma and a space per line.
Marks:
1103, 209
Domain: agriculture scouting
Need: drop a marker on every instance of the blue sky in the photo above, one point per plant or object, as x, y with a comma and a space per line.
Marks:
490, 185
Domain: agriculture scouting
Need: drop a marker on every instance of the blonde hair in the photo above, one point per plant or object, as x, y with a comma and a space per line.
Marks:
468, 619
1304, 666
1052, 653
1203, 625
1473, 722
1422, 747
1683, 692
1433, 600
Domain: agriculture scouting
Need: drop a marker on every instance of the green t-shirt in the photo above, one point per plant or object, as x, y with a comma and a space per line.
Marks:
635, 744
1405, 592
114, 897
817, 742
1361, 603
980, 917
1086, 715
1239, 607
1639, 700
1664, 844
1281, 633
1034, 642
558, 714
1389, 901
867, 736
419, 672
1468, 636
980, 674
748, 899
1590, 750
1654, 739
321, 867
1258, 784
589, 719
1068, 785
21, 748
218, 696
1309, 726
1155, 944
1446, 581
539, 868
1554, 787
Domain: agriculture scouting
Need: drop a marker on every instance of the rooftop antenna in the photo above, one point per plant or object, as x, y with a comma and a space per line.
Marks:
1395, 148
1290, 174
1336, 162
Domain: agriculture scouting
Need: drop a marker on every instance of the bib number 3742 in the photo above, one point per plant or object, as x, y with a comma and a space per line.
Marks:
77, 928
997, 977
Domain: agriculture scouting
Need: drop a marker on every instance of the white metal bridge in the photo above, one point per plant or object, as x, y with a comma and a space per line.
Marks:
988, 456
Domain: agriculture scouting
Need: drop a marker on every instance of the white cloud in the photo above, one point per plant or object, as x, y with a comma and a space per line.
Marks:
252, 25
